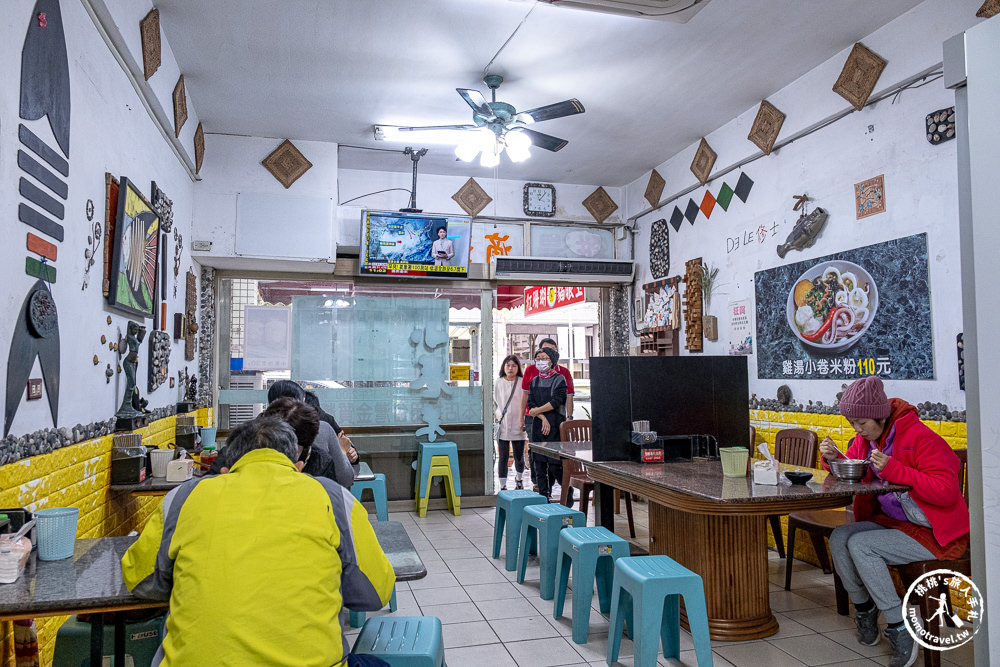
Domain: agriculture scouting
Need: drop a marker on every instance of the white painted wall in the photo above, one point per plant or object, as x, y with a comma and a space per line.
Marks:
110, 131
886, 138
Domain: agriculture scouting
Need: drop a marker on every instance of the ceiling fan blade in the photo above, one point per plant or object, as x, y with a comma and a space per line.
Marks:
475, 99
546, 141
438, 127
557, 110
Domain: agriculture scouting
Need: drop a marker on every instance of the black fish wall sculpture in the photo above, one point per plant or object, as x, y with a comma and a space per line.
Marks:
45, 92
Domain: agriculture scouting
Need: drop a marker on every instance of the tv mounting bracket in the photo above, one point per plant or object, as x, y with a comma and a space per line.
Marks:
415, 157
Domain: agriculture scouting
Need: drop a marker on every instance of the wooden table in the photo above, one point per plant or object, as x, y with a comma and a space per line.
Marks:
716, 526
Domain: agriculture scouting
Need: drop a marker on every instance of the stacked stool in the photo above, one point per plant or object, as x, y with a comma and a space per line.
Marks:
438, 459
540, 526
591, 552
377, 487
646, 598
510, 507
403, 641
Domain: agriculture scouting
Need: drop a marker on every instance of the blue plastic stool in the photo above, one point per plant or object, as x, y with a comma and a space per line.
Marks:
540, 526
377, 487
508, 514
591, 552
73, 642
403, 641
357, 618
645, 596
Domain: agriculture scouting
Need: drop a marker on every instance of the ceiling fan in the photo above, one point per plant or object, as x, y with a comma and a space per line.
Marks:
498, 125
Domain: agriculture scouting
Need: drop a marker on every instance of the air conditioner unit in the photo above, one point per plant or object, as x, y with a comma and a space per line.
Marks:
249, 411
560, 271
678, 11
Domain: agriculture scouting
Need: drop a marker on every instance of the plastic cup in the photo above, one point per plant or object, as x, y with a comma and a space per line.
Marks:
159, 459
56, 527
734, 461
208, 436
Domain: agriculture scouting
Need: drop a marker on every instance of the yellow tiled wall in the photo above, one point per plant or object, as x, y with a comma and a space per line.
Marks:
79, 476
768, 423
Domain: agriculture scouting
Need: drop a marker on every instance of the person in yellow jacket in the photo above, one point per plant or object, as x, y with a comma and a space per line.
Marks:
257, 563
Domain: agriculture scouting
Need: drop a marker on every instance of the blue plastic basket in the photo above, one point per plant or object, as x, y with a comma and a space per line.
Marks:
56, 528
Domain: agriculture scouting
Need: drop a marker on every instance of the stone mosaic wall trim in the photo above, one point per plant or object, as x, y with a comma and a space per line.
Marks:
206, 336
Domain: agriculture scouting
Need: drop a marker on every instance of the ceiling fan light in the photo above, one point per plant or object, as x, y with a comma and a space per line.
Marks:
489, 159
467, 151
517, 140
518, 153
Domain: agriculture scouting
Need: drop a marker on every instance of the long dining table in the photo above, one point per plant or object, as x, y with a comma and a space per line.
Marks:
716, 526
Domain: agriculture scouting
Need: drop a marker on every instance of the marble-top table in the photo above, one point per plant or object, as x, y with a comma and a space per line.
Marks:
716, 525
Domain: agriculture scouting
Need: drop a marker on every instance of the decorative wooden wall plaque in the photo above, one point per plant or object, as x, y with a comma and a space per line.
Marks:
860, 74
199, 148
654, 188
989, 9
286, 163
600, 204
180, 106
692, 306
472, 198
766, 127
704, 160
149, 29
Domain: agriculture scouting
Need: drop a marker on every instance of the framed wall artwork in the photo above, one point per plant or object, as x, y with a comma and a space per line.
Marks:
135, 253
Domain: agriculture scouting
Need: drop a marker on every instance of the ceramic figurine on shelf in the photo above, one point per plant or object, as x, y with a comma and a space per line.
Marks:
132, 404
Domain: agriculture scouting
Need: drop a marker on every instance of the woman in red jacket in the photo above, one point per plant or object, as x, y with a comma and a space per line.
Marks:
930, 522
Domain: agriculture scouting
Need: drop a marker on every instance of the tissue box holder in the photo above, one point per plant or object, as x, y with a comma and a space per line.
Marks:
180, 470
765, 472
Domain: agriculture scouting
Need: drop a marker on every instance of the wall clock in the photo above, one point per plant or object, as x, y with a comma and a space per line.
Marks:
539, 199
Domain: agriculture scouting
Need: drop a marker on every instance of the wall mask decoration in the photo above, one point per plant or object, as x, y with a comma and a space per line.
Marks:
163, 205
178, 251
180, 106
36, 335
806, 229
869, 196
654, 188
860, 74
135, 253
941, 125
286, 163
704, 160
199, 148
149, 29
659, 249
766, 127
472, 198
600, 205
989, 9
159, 359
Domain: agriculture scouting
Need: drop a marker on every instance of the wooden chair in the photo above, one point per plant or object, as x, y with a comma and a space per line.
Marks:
797, 447
575, 477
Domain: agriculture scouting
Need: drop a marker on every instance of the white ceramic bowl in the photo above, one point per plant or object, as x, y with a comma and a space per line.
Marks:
814, 272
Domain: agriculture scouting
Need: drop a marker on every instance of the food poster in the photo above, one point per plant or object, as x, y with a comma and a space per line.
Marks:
740, 329
859, 312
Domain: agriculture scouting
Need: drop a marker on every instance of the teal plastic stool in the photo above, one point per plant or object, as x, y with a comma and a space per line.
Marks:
510, 505
403, 641
591, 552
425, 452
377, 487
645, 596
540, 526
357, 618
73, 642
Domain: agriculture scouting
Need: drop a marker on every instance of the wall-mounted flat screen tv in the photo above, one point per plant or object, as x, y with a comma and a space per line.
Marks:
415, 244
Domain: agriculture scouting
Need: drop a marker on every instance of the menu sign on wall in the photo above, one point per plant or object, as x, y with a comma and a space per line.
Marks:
859, 312
541, 299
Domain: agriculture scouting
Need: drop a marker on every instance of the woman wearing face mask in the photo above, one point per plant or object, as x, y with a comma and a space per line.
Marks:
546, 410
506, 401
930, 522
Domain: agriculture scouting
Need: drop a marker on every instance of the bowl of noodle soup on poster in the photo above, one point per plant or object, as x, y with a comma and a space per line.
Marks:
831, 305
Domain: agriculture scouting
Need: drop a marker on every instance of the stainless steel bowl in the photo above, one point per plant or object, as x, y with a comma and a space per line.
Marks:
849, 470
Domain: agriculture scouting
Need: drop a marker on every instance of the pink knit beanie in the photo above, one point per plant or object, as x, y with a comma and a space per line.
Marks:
865, 399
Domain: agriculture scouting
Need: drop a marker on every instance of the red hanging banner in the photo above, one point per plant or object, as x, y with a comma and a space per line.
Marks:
540, 299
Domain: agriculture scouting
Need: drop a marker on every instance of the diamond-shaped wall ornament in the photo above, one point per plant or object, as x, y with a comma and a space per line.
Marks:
725, 196
691, 212
654, 189
704, 160
989, 9
743, 187
149, 30
600, 204
286, 163
860, 74
766, 127
707, 204
199, 148
180, 106
676, 218
472, 198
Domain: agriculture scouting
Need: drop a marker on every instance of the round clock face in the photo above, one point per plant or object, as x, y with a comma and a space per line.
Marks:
539, 199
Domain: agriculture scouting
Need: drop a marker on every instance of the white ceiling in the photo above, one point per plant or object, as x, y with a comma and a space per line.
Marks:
328, 70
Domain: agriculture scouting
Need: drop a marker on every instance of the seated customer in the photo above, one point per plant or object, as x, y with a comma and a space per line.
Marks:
305, 422
929, 522
346, 446
257, 563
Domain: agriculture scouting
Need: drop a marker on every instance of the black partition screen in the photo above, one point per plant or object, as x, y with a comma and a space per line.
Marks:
678, 395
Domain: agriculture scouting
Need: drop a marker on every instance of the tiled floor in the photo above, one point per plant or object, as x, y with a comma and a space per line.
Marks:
492, 621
